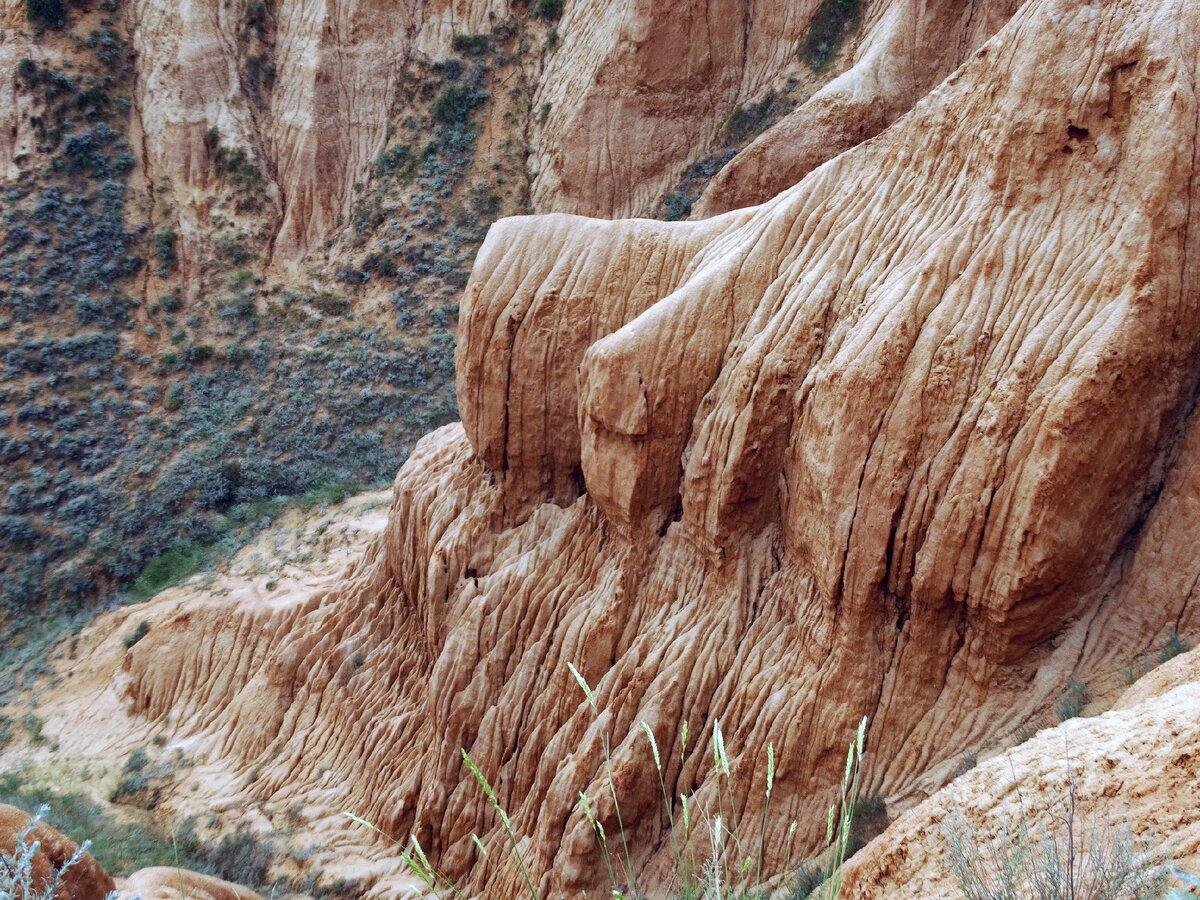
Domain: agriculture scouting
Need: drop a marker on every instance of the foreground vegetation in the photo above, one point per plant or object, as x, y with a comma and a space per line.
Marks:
35, 633
1063, 859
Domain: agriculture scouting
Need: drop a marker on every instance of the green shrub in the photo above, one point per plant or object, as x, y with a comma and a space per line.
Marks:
1069, 857
134, 777
455, 104
549, 9
833, 21
1073, 700
171, 567
749, 119
34, 725
164, 249
172, 396
868, 820
46, 13
1174, 646
399, 161
472, 44
139, 632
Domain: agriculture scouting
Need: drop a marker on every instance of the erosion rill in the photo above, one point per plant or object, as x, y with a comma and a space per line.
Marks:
911, 440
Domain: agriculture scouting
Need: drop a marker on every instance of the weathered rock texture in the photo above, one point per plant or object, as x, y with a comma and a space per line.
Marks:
1131, 771
909, 441
163, 883
903, 442
624, 97
906, 48
84, 880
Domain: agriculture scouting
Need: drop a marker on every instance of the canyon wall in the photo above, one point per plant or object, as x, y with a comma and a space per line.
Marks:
909, 440
898, 425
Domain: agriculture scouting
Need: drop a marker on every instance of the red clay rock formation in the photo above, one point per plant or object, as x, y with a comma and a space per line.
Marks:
903, 442
627, 96
1133, 771
906, 48
84, 880
165, 883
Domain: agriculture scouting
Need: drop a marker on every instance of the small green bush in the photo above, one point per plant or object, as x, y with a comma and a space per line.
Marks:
833, 21
46, 13
34, 725
1073, 700
549, 9
164, 249
868, 820
471, 44
1174, 646
1065, 856
172, 397
140, 631
749, 119
455, 104
171, 567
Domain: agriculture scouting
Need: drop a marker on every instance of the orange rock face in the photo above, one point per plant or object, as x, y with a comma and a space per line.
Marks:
626, 97
164, 883
1131, 772
906, 441
911, 440
84, 880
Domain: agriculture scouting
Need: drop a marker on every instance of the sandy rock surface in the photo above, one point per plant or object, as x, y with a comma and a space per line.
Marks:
1132, 770
911, 440
164, 883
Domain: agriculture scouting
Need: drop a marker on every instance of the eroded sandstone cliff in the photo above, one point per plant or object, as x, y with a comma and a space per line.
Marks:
906, 441
910, 440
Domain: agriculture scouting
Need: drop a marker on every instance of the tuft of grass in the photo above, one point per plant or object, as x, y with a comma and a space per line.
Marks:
1070, 857
732, 868
172, 566
1073, 700
34, 725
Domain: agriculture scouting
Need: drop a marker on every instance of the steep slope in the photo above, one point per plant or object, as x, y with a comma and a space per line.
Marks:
235, 233
1130, 772
912, 440
906, 441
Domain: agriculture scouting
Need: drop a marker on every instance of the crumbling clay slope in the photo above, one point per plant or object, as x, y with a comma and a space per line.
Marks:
903, 442
1131, 773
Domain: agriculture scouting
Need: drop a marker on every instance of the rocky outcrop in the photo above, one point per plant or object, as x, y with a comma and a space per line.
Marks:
907, 441
625, 96
912, 440
905, 50
164, 883
1128, 772
84, 879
